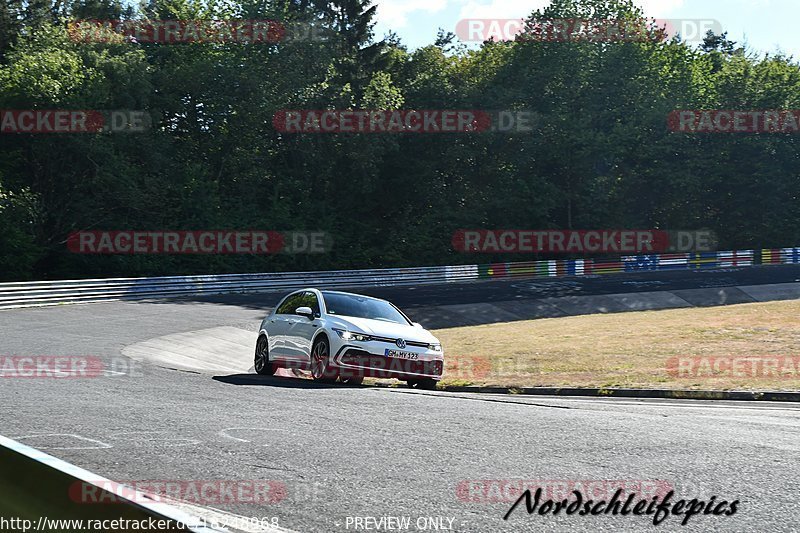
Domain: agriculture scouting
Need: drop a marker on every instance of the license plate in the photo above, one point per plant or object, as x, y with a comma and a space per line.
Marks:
398, 354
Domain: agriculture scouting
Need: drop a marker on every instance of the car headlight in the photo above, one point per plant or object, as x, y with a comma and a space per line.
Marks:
350, 336
435, 347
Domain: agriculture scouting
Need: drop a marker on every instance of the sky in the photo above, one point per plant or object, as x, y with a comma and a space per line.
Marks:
765, 25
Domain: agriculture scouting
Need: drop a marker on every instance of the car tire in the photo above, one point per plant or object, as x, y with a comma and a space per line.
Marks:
352, 380
261, 362
422, 384
321, 372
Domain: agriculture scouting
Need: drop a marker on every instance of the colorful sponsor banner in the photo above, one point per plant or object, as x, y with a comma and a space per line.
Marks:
604, 267
641, 263
636, 263
736, 258
790, 256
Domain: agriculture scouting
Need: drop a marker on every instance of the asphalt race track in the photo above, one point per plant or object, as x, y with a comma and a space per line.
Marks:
362, 452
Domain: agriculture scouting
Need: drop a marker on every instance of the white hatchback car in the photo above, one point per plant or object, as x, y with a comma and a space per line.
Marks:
339, 335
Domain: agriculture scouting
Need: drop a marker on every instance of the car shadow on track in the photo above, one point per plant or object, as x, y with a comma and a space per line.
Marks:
276, 381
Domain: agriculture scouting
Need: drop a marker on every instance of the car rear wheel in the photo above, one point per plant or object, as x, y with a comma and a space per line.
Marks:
261, 363
422, 384
320, 362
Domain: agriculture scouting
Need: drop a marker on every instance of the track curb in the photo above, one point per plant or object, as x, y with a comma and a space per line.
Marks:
37, 485
763, 396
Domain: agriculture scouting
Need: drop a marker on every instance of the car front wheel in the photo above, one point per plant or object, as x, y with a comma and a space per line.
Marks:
423, 384
261, 362
352, 380
320, 362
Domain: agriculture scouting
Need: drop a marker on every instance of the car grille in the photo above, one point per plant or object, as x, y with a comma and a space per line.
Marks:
393, 341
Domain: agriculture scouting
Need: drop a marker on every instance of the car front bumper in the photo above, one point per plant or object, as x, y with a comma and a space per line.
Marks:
352, 360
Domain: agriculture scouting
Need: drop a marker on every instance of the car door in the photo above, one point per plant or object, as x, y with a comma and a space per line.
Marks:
279, 324
302, 330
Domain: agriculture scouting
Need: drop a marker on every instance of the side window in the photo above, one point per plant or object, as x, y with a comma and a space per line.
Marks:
290, 304
310, 300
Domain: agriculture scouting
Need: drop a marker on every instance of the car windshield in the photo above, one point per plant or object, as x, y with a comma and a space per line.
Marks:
362, 307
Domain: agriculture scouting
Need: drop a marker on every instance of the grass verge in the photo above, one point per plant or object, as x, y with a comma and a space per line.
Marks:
715, 345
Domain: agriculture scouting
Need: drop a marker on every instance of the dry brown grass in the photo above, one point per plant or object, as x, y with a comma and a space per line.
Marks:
624, 350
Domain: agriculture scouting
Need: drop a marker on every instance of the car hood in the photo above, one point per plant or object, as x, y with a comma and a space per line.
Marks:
382, 328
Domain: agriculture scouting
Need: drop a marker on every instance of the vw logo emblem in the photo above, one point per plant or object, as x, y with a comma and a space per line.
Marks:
401, 343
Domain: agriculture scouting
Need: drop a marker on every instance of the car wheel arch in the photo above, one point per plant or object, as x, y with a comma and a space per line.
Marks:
318, 335
262, 363
264, 334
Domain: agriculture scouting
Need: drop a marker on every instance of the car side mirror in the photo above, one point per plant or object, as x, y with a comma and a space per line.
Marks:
418, 325
305, 311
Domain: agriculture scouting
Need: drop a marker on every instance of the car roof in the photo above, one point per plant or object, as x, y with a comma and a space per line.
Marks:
323, 292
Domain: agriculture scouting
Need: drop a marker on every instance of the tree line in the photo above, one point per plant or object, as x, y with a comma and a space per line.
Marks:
601, 154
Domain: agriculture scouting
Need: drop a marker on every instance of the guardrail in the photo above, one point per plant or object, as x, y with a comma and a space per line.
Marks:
43, 293
39, 293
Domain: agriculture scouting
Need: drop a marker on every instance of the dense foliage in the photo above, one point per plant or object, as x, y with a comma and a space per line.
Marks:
600, 157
